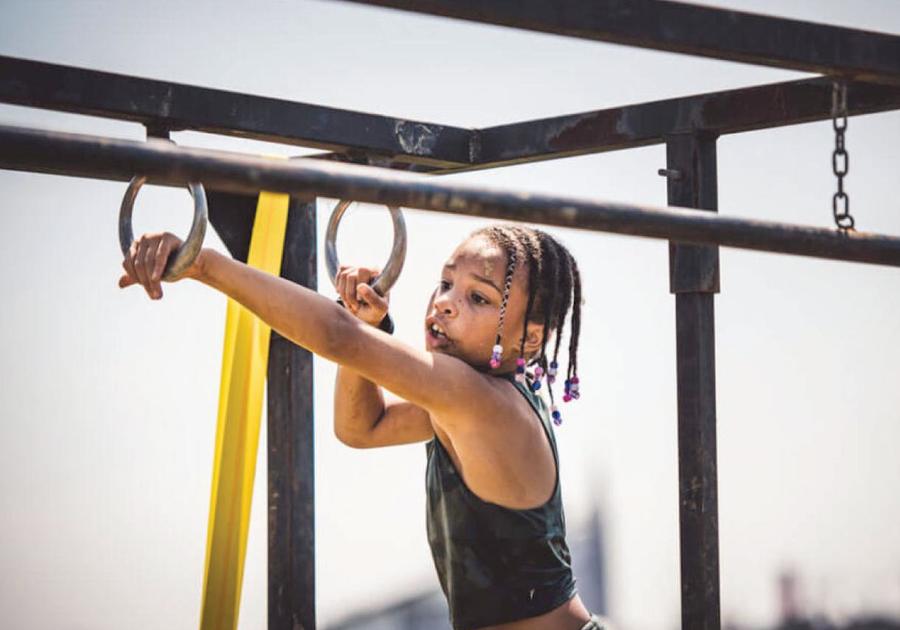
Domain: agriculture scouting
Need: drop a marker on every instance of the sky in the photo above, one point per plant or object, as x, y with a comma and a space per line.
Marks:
108, 402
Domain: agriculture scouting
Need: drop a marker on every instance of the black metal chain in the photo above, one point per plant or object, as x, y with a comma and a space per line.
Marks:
840, 159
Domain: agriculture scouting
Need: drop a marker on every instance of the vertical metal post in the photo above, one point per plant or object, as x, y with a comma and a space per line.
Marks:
292, 593
694, 279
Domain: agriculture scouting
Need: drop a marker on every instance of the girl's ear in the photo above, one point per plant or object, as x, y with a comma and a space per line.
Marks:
534, 335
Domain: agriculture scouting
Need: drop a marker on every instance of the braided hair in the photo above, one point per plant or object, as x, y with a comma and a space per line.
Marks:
553, 285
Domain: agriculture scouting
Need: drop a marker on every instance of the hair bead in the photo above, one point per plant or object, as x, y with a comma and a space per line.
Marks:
520, 370
557, 417
573, 388
496, 354
553, 289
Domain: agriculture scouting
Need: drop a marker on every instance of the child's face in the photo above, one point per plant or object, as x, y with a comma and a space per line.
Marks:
466, 306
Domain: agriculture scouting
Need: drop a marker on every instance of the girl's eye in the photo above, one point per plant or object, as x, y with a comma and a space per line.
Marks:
444, 285
478, 299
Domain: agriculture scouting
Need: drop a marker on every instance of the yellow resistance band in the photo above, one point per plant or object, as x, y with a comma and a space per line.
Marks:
244, 362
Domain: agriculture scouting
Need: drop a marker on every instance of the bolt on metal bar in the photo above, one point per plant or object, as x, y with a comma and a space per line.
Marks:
161, 162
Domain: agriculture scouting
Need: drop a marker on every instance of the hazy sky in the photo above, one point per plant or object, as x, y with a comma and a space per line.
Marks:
108, 403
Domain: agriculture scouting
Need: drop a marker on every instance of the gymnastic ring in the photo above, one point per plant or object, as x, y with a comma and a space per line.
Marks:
185, 255
388, 276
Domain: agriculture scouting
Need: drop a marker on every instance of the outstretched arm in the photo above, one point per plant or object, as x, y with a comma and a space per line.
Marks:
440, 384
297, 313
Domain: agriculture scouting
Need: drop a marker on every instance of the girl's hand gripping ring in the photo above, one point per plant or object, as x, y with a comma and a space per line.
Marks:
391, 271
184, 256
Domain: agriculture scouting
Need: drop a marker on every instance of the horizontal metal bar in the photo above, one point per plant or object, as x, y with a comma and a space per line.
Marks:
27, 149
717, 113
176, 107
363, 138
686, 28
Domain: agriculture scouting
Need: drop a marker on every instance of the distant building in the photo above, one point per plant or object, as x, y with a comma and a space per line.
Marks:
428, 611
863, 623
793, 616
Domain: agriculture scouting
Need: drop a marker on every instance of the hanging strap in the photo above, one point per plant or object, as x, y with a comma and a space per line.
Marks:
244, 361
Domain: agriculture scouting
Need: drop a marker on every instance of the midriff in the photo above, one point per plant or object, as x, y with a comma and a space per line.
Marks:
570, 616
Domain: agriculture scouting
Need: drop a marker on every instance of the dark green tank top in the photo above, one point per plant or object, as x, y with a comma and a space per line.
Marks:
496, 564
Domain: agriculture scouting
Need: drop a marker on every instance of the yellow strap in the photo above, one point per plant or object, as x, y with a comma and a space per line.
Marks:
244, 360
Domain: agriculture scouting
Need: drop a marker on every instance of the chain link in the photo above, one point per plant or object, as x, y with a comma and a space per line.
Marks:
840, 159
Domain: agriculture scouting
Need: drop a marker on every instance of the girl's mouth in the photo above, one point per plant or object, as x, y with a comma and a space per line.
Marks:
436, 337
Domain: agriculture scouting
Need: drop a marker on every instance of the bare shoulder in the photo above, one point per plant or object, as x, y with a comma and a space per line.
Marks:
502, 450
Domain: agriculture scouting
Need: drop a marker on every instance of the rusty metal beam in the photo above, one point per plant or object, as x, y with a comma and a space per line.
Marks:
54, 152
423, 147
685, 28
730, 111
291, 441
694, 279
163, 106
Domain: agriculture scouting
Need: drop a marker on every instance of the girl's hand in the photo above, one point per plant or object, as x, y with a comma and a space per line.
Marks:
352, 284
147, 259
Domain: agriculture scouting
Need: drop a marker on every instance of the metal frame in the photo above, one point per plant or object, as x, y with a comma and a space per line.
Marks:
689, 126
687, 28
163, 162
425, 146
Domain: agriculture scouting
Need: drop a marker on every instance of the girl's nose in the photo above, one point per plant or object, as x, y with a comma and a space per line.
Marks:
444, 304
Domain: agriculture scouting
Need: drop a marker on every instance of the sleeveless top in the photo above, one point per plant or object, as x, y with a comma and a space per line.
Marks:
496, 564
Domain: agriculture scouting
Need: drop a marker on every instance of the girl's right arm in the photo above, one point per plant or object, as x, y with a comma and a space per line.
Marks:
362, 418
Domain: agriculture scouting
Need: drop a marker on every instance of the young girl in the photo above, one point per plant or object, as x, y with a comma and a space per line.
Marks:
495, 518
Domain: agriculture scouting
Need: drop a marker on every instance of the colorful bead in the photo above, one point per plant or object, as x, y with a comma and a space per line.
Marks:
571, 389
496, 355
538, 372
536, 385
520, 368
557, 417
